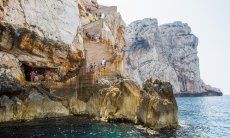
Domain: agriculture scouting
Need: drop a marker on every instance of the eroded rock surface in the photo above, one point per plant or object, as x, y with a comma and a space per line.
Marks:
57, 40
56, 20
34, 106
167, 52
10, 74
154, 106
42, 33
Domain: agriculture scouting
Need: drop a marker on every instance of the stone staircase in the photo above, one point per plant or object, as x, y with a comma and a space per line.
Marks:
86, 80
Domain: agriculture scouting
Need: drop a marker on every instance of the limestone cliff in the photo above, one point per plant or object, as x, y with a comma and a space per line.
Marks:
154, 106
32, 31
167, 52
58, 40
118, 100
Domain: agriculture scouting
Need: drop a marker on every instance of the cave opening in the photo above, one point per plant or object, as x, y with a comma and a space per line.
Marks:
140, 43
26, 69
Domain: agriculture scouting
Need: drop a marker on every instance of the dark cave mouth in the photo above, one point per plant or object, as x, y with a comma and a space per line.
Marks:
26, 69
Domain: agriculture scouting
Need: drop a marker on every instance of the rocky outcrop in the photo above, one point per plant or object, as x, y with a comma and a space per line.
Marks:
42, 38
167, 52
103, 24
10, 74
154, 106
158, 105
121, 100
58, 40
34, 106
51, 19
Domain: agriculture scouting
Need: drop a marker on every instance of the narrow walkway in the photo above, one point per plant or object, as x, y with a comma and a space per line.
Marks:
96, 52
41, 89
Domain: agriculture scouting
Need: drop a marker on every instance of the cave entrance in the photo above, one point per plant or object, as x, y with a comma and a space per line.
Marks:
26, 69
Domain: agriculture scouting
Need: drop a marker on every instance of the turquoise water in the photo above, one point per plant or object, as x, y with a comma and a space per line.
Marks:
204, 117
80, 127
199, 117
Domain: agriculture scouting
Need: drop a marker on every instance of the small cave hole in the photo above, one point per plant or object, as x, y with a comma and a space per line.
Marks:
26, 69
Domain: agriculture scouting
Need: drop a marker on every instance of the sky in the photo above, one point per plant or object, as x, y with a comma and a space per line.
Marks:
209, 20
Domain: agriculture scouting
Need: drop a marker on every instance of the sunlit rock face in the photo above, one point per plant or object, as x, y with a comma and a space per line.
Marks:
104, 24
158, 106
35, 105
154, 106
43, 33
167, 52
57, 39
40, 35
56, 20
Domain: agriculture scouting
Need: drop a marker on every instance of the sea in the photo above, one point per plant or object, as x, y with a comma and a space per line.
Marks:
199, 117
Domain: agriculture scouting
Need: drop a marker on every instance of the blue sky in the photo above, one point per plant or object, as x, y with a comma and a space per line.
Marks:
209, 20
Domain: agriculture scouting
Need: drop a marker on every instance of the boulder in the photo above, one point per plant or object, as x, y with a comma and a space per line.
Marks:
158, 106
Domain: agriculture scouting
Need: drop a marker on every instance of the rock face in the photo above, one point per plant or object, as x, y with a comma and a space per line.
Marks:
103, 24
56, 20
10, 74
35, 106
44, 37
167, 52
158, 96
57, 40
154, 106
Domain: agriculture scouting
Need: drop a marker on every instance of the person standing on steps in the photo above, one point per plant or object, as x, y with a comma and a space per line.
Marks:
94, 66
103, 63
91, 67
32, 75
36, 76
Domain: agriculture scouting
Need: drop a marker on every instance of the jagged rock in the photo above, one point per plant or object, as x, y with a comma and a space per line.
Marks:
47, 36
158, 105
6, 109
103, 22
58, 20
35, 106
42, 37
104, 83
125, 101
167, 52
11, 77
39, 106
10, 65
10, 85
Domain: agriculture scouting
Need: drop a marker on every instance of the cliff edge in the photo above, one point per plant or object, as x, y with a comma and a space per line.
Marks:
50, 66
167, 52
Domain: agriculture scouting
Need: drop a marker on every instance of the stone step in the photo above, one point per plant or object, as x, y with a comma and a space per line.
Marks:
85, 84
86, 79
